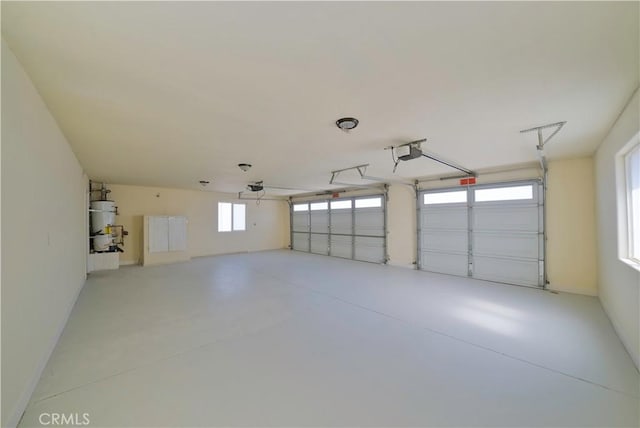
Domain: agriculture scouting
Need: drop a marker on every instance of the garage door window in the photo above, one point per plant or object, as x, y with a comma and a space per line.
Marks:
319, 206
301, 207
341, 205
369, 203
445, 197
511, 193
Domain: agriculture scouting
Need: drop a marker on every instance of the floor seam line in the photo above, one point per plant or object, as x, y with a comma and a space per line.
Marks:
142, 366
314, 290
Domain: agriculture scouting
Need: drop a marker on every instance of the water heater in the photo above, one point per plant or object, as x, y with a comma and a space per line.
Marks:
103, 217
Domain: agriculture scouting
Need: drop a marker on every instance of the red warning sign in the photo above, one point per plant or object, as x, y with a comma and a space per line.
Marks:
467, 181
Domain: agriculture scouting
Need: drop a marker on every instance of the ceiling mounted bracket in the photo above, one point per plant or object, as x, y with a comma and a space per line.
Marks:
241, 196
542, 141
362, 169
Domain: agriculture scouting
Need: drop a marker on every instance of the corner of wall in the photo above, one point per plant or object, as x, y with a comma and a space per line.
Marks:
618, 283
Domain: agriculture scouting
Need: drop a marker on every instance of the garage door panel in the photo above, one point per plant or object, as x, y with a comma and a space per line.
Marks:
509, 270
369, 249
339, 230
445, 218
342, 222
505, 244
369, 222
301, 222
521, 218
341, 246
453, 264
319, 244
301, 241
320, 222
506, 233
445, 241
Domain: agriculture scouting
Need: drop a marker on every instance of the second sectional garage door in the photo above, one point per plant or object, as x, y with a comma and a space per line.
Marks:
492, 232
352, 228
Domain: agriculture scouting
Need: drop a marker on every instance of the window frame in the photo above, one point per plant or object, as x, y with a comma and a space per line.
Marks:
233, 227
627, 230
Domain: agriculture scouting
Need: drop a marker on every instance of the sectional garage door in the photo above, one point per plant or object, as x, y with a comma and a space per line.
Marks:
491, 232
351, 228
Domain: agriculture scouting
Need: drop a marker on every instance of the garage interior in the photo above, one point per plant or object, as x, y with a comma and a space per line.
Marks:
320, 214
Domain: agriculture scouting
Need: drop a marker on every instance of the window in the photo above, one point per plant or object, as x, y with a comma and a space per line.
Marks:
341, 205
239, 216
319, 206
369, 203
511, 193
632, 169
301, 207
455, 197
224, 216
231, 217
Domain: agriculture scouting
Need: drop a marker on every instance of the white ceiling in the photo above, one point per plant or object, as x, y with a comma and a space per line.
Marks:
169, 93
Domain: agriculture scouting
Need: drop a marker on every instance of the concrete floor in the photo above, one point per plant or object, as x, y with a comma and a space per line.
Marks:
285, 338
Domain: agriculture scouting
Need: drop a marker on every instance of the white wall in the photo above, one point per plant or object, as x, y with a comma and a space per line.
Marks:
43, 235
619, 284
267, 223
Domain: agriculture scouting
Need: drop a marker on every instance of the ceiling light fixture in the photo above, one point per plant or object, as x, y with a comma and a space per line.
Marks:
347, 123
244, 166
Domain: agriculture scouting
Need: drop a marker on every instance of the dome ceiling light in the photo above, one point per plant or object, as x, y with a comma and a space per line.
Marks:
347, 123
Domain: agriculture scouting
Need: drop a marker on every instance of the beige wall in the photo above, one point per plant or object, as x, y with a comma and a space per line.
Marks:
44, 242
267, 223
571, 237
618, 283
401, 224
